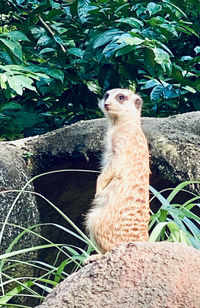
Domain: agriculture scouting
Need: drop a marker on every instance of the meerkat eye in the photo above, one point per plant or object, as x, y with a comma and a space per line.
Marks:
106, 96
121, 98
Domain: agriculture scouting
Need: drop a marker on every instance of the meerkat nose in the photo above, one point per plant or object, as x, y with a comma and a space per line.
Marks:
107, 106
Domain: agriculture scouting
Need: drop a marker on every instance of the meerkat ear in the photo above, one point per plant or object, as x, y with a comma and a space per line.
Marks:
138, 103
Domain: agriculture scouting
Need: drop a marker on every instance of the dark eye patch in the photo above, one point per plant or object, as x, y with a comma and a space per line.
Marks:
121, 98
106, 96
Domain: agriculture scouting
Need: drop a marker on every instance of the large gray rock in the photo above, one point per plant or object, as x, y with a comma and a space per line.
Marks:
175, 147
23, 212
14, 174
142, 275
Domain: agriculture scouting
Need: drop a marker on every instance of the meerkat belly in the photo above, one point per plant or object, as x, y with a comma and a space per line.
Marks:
120, 214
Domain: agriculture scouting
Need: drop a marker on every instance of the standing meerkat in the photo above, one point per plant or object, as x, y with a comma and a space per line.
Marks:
120, 211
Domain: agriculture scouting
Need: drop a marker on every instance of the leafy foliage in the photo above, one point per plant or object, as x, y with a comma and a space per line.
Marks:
57, 57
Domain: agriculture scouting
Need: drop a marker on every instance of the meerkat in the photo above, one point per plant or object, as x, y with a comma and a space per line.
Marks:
120, 211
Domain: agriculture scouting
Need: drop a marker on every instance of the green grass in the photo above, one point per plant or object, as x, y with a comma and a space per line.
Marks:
176, 222
171, 222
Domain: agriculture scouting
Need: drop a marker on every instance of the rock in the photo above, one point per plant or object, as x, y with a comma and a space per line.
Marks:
175, 147
14, 174
142, 275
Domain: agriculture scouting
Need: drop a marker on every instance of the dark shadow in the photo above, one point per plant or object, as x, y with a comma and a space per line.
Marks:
72, 193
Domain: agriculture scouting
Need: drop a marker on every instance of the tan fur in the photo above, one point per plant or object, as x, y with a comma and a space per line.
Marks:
120, 211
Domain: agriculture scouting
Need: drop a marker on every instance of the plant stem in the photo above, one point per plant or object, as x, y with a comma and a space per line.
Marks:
51, 32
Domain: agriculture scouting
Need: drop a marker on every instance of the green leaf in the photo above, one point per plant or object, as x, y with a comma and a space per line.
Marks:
12, 69
14, 47
4, 117
44, 40
55, 73
25, 82
12, 293
164, 47
156, 231
17, 35
153, 8
189, 89
192, 227
18, 82
3, 79
6, 68
58, 39
25, 250
46, 50
84, 8
60, 270
170, 28
150, 84
12, 107
20, 1
194, 242
124, 50
190, 30
38, 32
161, 56
178, 188
157, 93
197, 50
76, 52
156, 21
158, 195
106, 37
17, 87
175, 7
131, 40
187, 30
189, 214
54, 5
133, 22
176, 234
110, 49
169, 92
119, 9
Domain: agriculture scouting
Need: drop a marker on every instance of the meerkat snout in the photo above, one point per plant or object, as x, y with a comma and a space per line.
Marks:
106, 104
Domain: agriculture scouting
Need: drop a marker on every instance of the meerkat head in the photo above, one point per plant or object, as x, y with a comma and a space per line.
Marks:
118, 104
